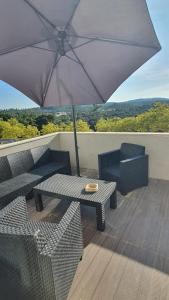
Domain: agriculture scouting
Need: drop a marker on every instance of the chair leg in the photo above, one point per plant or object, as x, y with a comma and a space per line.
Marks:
123, 193
113, 200
100, 216
29, 196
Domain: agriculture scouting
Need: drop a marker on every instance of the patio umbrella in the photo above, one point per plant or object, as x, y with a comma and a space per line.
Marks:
73, 52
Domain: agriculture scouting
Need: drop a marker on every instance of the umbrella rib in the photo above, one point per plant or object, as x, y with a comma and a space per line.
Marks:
74, 60
130, 43
22, 47
68, 23
83, 44
45, 49
39, 13
50, 77
87, 74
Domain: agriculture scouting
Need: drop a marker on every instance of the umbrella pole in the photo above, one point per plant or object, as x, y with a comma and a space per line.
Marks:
75, 139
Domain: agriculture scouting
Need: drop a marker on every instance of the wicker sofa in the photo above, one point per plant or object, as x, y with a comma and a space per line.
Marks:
20, 172
38, 260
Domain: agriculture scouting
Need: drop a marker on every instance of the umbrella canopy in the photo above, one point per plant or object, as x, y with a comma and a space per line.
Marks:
73, 52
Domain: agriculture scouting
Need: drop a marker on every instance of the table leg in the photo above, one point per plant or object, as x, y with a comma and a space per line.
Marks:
100, 216
113, 200
38, 201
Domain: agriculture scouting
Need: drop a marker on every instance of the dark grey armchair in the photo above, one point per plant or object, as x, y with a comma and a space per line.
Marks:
38, 260
128, 166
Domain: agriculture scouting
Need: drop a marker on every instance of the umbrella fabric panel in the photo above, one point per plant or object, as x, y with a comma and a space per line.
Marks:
70, 85
27, 70
111, 63
20, 26
73, 52
58, 12
125, 20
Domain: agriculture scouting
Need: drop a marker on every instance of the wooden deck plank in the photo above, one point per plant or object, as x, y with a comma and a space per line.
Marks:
90, 280
130, 260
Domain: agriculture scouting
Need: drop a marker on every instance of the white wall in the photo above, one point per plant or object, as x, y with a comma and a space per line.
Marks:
52, 139
91, 144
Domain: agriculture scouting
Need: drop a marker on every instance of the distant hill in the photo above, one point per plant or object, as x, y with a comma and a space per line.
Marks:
148, 101
110, 109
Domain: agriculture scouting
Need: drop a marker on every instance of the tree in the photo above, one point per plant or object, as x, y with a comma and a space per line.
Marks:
11, 129
44, 120
81, 126
154, 120
49, 128
30, 132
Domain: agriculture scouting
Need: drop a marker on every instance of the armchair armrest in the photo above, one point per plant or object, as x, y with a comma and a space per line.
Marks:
134, 173
108, 158
62, 253
132, 161
14, 214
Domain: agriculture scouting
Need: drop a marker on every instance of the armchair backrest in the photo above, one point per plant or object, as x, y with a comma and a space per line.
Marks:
131, 150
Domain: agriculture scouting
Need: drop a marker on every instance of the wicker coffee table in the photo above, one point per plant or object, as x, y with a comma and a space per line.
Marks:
71, 188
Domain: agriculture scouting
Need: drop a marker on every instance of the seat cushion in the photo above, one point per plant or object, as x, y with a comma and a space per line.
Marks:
48, 169
19, 185
112, 173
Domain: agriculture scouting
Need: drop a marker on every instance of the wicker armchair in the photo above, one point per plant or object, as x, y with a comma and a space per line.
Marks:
38, 260
128, 166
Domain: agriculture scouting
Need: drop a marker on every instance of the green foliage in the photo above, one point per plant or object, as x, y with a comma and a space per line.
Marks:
154, 120
49, 128
13, 129
43, 120
30, 132
81, 126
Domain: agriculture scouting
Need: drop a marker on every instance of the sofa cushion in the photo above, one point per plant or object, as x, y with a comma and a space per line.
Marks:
48, 169
20, 162
19, 185
5, 170
41, 156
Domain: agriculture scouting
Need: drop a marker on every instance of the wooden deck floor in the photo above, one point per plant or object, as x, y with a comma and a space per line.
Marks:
130, 260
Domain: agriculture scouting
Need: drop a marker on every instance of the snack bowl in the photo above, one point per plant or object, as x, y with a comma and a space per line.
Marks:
91, 187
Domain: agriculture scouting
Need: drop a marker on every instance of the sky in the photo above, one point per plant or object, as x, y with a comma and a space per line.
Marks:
151, 80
